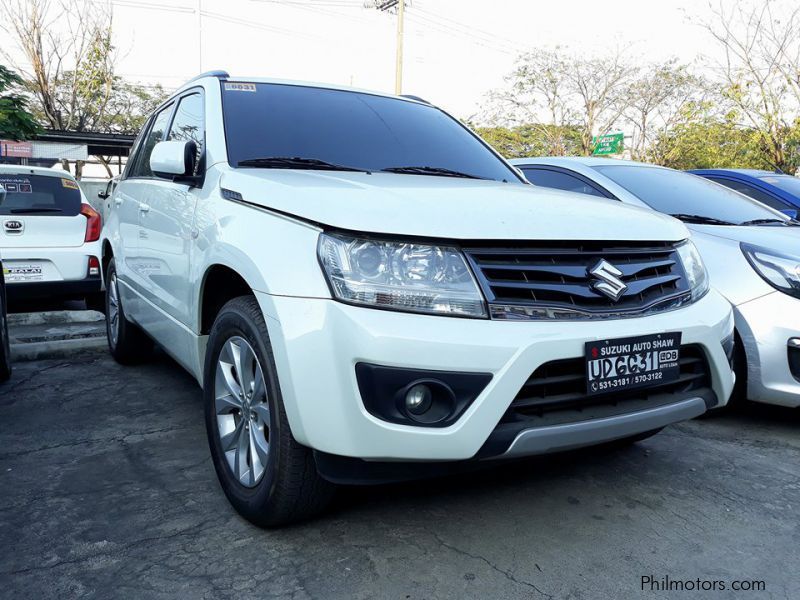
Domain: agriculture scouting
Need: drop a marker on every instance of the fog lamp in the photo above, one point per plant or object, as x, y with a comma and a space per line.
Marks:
418, 399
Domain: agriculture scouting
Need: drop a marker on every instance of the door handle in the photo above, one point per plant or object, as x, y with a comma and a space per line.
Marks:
144, 207
118, 202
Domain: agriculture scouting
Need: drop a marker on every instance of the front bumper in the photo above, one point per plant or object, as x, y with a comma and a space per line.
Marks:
317, 344
765, 326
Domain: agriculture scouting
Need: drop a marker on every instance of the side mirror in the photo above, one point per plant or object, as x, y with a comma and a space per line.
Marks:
790, 212
102, 195
174, 160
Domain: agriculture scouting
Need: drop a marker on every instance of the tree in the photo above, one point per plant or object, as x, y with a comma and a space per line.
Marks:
557, 92
71, 75
659, 98
67, 45
705, 139
531, 140
760, 74
16, 122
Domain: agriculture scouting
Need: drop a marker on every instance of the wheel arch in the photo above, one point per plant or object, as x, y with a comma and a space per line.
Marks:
220, 284
107, 253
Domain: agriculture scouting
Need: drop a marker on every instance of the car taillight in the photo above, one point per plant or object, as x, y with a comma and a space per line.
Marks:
94, 266
92, 223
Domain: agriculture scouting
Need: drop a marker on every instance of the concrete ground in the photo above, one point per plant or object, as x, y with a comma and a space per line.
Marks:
107, 491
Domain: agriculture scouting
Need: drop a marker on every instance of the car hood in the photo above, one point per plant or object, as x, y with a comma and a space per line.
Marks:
786, 239
445, 207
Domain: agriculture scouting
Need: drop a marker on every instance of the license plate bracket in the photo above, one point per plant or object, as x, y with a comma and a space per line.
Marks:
621, 364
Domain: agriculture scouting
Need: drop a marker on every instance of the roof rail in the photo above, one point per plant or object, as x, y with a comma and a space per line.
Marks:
219, 74
417, 98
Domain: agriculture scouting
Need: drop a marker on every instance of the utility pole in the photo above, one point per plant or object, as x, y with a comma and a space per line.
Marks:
383, 6
199, 36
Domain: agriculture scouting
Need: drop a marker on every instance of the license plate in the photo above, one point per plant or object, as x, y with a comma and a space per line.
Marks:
633, 362
21, 273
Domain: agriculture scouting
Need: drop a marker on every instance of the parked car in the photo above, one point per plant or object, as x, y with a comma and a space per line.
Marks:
49, 236
752, 253
5, 348
367, 292
776, 190
105, 196
93, 189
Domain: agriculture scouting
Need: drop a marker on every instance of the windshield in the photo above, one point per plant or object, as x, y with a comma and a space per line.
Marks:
785, 182
350, 129
38, 194
674, 192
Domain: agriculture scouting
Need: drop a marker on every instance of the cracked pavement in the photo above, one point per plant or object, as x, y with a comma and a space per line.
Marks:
107, 491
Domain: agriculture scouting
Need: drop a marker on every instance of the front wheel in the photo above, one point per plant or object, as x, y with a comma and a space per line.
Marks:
268, 477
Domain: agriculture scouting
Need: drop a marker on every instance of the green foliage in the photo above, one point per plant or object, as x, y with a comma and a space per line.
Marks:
533, 140
706, 140
16, 122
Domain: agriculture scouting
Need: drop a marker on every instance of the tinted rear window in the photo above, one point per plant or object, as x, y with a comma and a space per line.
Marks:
787, 183
39, 194
349, 128
673, 192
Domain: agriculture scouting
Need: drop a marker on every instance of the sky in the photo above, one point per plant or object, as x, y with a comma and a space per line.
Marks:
455, 50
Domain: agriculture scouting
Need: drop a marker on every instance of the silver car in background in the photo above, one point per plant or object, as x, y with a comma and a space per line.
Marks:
752, 253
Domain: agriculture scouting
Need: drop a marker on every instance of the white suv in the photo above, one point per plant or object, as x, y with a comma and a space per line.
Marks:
49, 236
367, 292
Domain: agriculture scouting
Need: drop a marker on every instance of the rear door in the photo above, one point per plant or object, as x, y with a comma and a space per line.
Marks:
40, 211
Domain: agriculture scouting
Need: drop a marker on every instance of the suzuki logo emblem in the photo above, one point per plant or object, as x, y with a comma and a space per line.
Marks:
14, 226
609, 282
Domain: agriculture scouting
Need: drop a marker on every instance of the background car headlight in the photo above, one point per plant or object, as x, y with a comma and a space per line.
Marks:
781, 271
695, 270
400, 275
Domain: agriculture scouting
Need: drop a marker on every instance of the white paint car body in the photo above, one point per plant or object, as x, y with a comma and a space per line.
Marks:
44, 240
767, 320
169, 240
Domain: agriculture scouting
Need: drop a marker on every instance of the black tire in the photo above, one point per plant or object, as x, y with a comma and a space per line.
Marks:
739, 394
130, 345
5, 344
96, 302
290, 488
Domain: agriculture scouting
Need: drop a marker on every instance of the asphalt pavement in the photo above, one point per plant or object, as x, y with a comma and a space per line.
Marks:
107, 491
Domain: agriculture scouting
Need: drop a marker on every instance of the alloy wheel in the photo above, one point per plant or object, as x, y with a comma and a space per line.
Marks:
113, 309
242, 411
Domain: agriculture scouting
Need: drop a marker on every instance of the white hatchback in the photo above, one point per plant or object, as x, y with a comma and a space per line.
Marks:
48, 236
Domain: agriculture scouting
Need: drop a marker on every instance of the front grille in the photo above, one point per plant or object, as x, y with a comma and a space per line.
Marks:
553, 280
561, 385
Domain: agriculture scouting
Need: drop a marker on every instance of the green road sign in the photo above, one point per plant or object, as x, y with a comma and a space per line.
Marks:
610, 143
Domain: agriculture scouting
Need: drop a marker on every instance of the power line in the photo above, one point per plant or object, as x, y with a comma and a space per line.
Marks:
486, 35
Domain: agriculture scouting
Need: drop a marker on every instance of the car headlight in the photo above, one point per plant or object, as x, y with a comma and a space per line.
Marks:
404, 276
696, 273
781, 271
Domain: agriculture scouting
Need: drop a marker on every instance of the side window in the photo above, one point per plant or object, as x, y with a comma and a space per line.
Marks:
753, 192
189, 124
136, 150
559, 181
141, 167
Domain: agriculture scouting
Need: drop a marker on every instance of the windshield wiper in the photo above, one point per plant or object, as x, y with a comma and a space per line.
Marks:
700, 219
430, 171
294, 162
33, 210
767, 222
